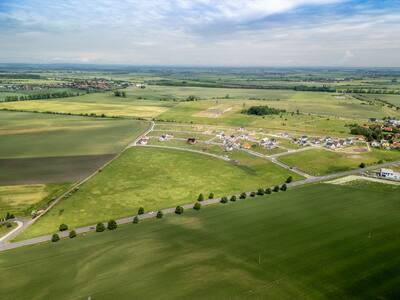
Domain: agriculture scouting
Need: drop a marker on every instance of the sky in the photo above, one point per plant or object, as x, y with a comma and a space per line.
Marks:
202, 32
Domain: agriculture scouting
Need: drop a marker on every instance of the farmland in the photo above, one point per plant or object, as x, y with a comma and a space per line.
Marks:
22, 199
44, 135
297, 244
320, 162
143, 177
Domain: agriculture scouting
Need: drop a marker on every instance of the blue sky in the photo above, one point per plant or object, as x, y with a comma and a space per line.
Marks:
202, 32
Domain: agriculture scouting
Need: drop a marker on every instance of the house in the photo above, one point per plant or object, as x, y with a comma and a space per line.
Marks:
143, 141
375, 144
285, 135
389, 173
191, 141
385, 144
246, 146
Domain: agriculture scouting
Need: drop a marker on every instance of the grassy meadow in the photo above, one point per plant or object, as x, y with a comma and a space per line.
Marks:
316, 242
156, 178
20, 200
321, 162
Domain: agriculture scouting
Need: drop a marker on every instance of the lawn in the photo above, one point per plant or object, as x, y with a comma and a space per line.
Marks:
43, 135
20, 200
316, 242
320, 162
156, 178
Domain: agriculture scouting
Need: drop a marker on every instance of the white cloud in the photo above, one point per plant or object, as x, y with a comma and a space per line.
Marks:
198, 32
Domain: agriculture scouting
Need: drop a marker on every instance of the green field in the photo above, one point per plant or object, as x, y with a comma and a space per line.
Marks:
320, 162
317, 242
22, 199
50, 169
44, 135
156, 178
4, 229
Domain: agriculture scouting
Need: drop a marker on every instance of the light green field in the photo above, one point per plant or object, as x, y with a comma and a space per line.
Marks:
108, 109
317, 242
156, 178
22, 199
320, 162
43, 135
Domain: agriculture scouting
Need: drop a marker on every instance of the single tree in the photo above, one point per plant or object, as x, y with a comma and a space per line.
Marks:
200, 198
160, 214
197, 206
289, 179
72, 234
179, 210
260, 192
140, 211
252, 194
63, 227
100, 227
55, 238
243, 195
135, 220
111, 225
362, 165
224, 199
268, 191
211, 196
276, 188
284, 187
233, 198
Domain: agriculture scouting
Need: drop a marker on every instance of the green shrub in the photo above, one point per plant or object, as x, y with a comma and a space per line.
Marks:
233, 198
72, 234
159, 214
140, 211
197, 206
211, 196
260, 192
100, 227
55, 238
111, 225
179, 210
243, 195
252, 194
362, 165
63, 227
135, 220
200, 198
224, 199
284, 187
289, 179
276, 188
268, 191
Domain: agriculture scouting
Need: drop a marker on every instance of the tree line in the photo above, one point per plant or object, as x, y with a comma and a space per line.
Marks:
40, 96
262, 110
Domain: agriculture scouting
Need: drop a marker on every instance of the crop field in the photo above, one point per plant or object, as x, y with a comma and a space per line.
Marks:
320, 162
50, 169
156, 178
44, 135
22, 199
112, 109
292, 245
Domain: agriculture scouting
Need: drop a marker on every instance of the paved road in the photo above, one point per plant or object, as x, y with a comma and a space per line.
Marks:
184, 149
171, 210
279, 163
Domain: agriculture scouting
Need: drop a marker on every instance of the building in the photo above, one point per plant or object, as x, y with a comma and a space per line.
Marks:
390, 174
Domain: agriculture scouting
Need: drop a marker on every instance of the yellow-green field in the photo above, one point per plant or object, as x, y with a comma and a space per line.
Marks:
320, 162
21, 199
157, 178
